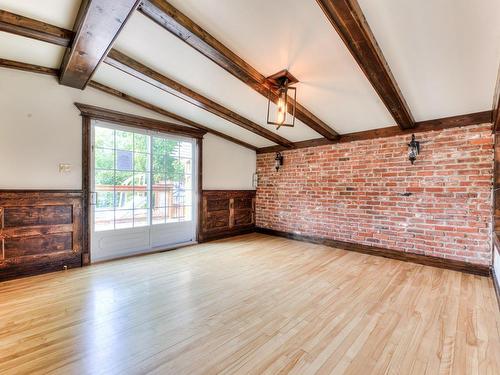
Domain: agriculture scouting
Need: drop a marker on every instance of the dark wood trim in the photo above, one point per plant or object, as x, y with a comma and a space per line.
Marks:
86, 161
142, 72
11, 193
174, 21
96, 28
30, 28
161, 111
425, 260
233, 191
199, 145
137, 121
11, 64
348, 20
422, 126
496, 104
226, 234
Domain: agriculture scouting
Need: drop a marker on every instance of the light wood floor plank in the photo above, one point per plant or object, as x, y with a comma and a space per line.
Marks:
252, 304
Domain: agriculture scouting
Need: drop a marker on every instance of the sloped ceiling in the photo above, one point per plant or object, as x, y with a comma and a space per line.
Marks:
443, 54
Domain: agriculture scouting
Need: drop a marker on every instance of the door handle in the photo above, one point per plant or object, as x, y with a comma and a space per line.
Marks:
93, 198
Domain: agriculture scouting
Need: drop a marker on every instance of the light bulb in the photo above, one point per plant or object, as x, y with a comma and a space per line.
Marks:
281, 108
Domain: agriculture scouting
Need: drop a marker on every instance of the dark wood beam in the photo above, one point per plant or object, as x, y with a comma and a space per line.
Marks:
4, 63
348, 19
142, 72
422, 126
10, 64
496, 104
171, 19
164, 112
96, 28
27, 27
109, 115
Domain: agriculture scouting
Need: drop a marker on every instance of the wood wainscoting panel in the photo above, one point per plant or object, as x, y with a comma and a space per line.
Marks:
40, 231
226, 213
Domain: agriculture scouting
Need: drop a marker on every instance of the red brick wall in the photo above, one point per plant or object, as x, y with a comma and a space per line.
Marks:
352, 192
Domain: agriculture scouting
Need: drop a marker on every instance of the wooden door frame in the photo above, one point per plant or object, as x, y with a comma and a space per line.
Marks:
90, 113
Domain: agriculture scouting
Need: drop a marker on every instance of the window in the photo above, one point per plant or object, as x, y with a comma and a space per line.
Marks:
141, 179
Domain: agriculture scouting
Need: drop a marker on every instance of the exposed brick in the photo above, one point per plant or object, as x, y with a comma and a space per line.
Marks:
353, 192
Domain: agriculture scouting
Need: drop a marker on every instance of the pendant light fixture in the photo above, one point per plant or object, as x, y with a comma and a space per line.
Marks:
285, 98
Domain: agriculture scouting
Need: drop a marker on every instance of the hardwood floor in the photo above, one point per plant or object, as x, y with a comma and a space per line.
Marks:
251, 304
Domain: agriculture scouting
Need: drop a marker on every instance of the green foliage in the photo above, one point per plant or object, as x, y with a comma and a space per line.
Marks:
165, 156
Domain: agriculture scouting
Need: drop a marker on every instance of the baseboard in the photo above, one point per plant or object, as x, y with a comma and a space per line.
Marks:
496, 285
451, 264
206, 237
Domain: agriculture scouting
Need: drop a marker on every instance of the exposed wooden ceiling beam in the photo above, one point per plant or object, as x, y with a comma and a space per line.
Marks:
4, 63
171, 19
98, 86
348, 19
142, 72
496, 104
36, 29
422, 126
28, 27
96, 28
164, 112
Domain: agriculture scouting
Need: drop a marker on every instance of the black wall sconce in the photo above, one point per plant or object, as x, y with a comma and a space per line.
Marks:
413, 149
278, 161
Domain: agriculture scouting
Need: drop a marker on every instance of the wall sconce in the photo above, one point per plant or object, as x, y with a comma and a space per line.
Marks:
278, 161
413, 149
280, 93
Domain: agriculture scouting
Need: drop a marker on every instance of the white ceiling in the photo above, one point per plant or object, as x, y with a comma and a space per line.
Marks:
60, 13
31, 51
295, 34
444, 55
172, 57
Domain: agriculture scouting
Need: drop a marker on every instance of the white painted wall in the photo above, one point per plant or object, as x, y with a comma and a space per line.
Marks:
40, 127
227, 165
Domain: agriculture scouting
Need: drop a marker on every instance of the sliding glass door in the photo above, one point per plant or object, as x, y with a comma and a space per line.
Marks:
142, 184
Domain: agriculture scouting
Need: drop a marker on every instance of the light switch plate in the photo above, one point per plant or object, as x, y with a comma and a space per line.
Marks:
64, 168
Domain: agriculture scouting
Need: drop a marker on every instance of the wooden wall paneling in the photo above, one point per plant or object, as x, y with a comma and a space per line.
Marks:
227, 213
97, 25
40, 231
177, 23
349, 21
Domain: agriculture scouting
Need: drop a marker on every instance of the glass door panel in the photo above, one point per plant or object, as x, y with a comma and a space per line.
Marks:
142, 180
